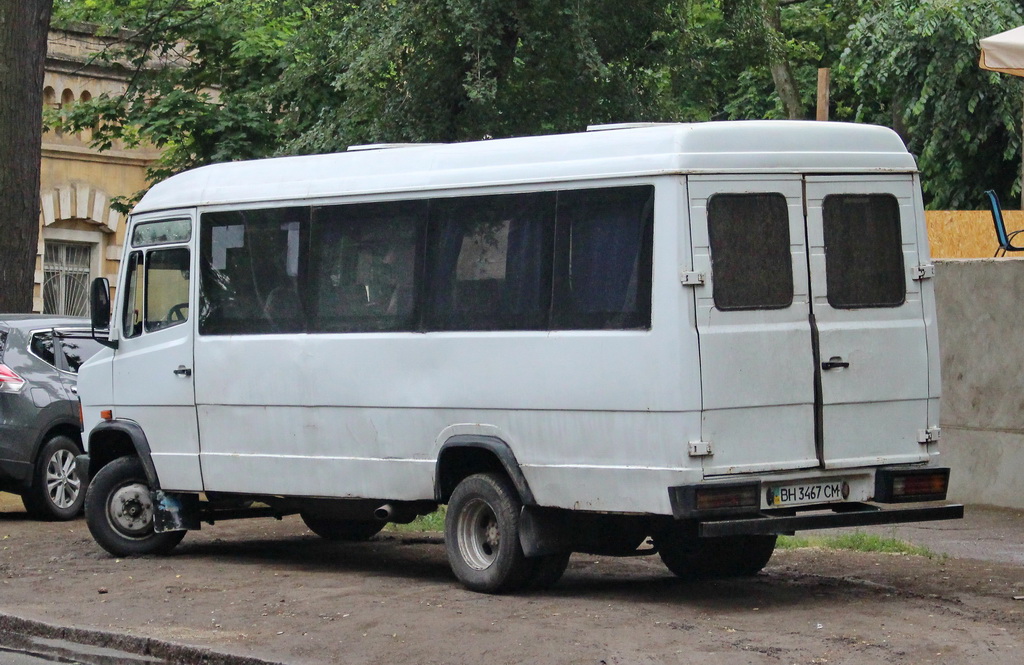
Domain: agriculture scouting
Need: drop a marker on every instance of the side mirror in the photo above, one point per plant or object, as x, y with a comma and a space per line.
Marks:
99, 306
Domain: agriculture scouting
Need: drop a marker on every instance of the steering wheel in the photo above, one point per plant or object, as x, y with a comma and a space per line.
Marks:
178, 313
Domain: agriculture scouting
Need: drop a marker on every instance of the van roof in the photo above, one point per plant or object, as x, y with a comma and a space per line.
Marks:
759, 146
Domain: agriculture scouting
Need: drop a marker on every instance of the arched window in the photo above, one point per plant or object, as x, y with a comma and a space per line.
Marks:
50, 98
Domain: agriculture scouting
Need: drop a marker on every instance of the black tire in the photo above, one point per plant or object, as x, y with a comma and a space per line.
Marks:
56, 492
481, 535
119, 512
690, 557
330, 528
548, 569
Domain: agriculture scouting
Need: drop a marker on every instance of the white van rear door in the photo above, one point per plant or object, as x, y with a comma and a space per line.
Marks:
756, 353
870, 319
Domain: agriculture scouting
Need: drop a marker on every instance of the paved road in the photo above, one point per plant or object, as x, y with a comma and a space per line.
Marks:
985, 534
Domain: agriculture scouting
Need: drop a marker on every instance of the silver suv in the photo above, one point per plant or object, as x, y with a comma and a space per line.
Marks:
40, 421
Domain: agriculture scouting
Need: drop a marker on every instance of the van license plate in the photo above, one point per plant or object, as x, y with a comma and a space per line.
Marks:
826, 491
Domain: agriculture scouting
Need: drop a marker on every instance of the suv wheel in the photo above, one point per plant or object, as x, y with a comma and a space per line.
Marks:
56, 492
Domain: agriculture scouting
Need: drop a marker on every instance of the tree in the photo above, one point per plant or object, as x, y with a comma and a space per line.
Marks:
23, 32
447, 70
199, 74
913, 65
252, 78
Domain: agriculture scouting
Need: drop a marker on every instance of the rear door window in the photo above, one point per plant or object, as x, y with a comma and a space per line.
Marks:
750, 251
863, 251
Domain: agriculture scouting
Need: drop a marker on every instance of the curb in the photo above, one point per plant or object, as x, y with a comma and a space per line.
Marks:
102, 647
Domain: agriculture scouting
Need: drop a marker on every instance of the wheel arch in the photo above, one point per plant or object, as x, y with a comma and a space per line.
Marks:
63, 427
121, 438
462, 455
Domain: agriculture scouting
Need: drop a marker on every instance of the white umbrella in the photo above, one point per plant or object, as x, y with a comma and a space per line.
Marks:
1005, 53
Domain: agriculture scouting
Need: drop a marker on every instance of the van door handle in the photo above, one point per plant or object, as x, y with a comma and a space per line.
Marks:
835, 362
183, 371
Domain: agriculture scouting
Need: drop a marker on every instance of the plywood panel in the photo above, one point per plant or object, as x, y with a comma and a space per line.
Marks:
968, 234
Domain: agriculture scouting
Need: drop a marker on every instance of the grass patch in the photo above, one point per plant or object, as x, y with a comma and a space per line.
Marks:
432, 522
856, 541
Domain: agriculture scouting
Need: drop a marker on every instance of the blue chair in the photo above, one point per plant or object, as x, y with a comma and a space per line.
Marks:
1005, 240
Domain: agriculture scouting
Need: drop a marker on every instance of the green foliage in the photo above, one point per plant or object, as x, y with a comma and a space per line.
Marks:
434, 522
448, 70
856, 541
217, 80
913, 65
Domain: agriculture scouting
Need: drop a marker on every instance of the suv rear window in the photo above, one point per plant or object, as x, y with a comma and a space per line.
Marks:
42, 347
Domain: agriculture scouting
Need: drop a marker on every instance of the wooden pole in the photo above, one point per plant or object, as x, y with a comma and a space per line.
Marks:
824, 81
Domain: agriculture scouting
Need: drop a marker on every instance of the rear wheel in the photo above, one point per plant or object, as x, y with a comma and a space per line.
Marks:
56, 492
119, 511
330, 528
548, 569
729, 556
481, 535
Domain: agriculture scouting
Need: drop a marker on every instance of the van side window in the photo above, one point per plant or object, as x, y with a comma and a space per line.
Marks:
167, 278
250, 262
557, 260
489, 262
751, 264
863, 251
131, 317
364, 262
604, 258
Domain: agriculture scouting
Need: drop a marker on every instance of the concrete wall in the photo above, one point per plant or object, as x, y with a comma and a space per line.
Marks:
981, 338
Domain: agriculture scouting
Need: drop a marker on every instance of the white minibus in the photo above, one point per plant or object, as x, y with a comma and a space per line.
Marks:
681, 339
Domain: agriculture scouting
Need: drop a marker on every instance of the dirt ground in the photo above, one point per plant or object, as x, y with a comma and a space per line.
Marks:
272, 590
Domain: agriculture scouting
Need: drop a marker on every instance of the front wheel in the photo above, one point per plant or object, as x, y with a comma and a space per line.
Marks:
481, 535
119, 511
56, 492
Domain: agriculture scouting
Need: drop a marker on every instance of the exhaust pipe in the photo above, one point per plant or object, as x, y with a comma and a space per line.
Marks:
384, 513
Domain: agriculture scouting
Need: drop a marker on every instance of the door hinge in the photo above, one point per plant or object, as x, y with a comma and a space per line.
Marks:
700, 448
691, 278
926, 271
930, 435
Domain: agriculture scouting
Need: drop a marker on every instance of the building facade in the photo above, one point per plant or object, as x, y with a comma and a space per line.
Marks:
80, 235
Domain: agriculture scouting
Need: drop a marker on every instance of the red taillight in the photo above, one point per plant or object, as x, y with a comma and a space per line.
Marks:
895, 485
10, 382
932, 483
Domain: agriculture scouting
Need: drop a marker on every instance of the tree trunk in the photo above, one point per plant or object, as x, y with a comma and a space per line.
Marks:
24, 25
782, 73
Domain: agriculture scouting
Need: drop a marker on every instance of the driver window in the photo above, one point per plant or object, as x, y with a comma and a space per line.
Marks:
166, 285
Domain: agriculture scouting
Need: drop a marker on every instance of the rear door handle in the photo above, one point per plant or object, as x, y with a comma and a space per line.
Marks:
835, 362
183, 371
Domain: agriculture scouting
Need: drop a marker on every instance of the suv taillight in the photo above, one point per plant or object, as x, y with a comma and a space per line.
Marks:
9, 381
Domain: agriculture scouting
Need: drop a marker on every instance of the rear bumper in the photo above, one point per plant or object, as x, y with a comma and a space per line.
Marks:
841, 515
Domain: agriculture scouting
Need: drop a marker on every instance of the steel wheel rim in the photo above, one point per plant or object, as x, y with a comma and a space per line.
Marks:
130, 511
478, 534
62, 483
